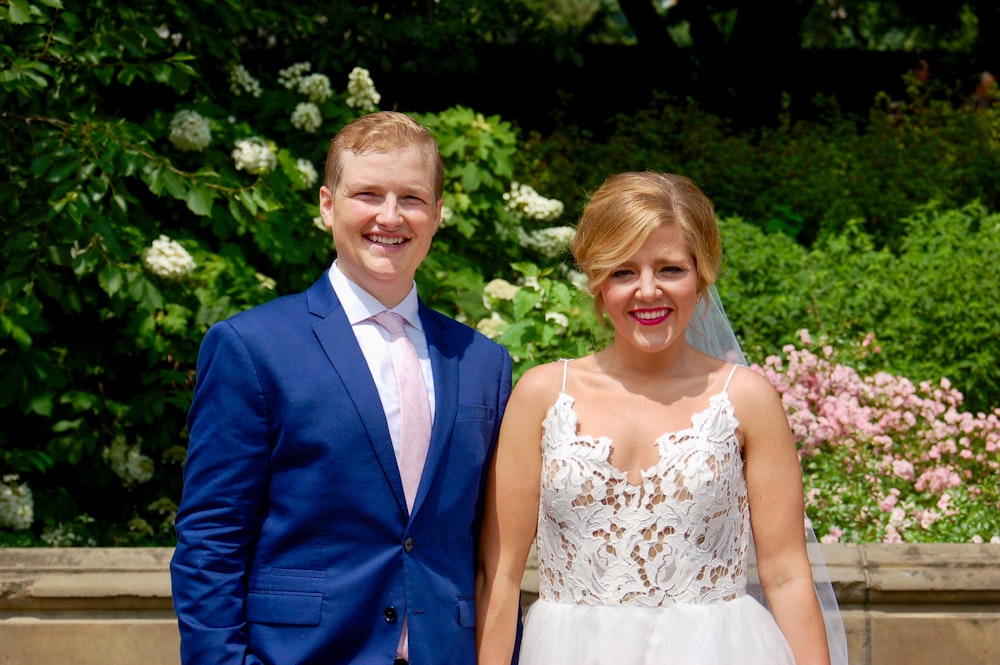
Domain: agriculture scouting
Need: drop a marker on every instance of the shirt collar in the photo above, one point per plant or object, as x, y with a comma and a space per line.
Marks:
359, 305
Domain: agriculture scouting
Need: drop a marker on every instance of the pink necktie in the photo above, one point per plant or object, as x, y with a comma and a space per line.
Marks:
414, 408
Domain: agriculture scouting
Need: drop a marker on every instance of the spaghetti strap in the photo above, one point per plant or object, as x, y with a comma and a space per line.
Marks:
565, 363
725, 387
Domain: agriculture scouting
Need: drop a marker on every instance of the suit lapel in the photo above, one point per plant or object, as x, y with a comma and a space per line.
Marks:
444, 365
335, 335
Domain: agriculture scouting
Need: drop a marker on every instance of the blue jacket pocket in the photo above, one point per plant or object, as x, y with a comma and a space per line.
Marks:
467, 612
276, 607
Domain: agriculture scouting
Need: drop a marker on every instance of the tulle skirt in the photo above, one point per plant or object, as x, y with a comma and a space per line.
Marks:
736, 632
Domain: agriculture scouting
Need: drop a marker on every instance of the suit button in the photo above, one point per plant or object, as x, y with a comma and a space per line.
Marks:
408, 545
389, 614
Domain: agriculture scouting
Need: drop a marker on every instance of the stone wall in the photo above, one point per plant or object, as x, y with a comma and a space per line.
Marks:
912, 604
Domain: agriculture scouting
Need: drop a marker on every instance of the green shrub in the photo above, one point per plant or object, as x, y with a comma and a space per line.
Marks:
932, 306
806, 178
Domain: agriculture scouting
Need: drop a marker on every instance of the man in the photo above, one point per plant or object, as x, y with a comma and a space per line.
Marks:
300, 541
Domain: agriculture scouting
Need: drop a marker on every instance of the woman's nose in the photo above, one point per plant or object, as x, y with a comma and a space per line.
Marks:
647, 288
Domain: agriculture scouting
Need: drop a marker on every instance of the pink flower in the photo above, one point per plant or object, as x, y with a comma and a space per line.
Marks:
833, 536
903, 469
927, 518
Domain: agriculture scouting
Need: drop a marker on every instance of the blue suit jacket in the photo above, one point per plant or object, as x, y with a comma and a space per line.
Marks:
294, 542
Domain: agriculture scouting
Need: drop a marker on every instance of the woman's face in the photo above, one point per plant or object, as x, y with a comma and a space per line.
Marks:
652, 295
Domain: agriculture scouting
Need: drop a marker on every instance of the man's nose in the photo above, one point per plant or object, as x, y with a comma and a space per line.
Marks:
388, 212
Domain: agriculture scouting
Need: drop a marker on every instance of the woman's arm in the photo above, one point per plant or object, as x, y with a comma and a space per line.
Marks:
777, 513
510, 515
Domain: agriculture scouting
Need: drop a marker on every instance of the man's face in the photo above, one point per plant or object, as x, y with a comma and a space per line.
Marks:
383, 213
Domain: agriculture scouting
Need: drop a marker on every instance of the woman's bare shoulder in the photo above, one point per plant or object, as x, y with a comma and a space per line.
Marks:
756, 401
541, 380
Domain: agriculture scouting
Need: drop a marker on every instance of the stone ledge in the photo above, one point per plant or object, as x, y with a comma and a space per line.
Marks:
918, 604
52, 579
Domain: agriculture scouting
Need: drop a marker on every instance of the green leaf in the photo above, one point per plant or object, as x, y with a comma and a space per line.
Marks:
111, 278
127, 74
199, 200
80, 400
513, 336
19, 11
9, 327
143, 291
67, 425
471, 176
239, 212
41, 404
71, 19
174, 185
525, 301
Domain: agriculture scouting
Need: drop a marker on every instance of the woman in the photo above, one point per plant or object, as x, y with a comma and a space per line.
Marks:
645, 467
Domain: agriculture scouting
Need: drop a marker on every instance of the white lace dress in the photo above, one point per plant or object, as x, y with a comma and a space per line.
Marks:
650, 574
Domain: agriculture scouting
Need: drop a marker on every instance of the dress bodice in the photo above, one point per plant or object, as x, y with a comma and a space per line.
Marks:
679, 536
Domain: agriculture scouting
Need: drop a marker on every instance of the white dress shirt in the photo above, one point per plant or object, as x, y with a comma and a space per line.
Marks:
360, 306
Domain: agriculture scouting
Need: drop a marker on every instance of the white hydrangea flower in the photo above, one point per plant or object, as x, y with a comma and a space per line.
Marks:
552, 241
241, 81
577, 279
291, 77
17, 506
266, 283
189, 131
525, 201
63, 535
307, 117
361, 91
320, 224
501, 289
558, 318
163, 32
167, 258
253, 155
316, 87
128, 462
308, 171
492, 327
446, 214
58, 536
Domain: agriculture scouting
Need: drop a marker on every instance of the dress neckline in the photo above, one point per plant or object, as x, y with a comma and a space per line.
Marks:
606, 443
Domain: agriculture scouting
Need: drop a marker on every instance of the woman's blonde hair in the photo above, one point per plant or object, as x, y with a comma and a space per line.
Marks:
627, 209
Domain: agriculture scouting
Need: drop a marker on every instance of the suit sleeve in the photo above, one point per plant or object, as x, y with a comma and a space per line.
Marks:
225, 482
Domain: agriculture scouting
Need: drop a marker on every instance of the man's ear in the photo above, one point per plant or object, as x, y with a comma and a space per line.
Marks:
437, 217
326, 206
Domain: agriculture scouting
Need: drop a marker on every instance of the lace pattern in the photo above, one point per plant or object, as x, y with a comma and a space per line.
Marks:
678, 537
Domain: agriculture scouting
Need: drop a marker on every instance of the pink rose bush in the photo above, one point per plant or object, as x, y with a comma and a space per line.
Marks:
885, 459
